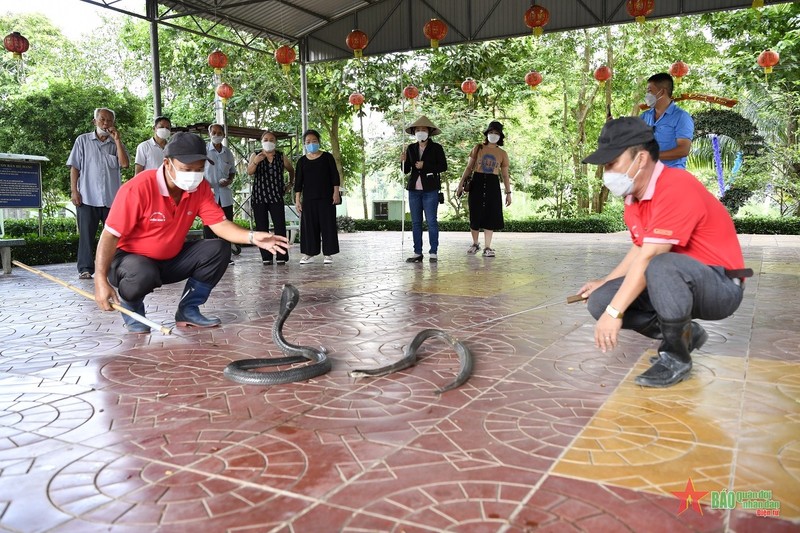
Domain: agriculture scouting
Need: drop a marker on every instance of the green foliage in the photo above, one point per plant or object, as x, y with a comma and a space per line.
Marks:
768, 225
30, 226
50, 249
345, 224
734, 198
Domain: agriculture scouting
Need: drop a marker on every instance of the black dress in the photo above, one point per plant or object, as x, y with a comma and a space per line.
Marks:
315, 179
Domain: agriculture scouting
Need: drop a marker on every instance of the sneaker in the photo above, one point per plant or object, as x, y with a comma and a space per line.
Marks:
306, 259
85, 275
327, 260
488, 252
415, 259
230, 263
433, 258
267, 262
280, 262
472, 250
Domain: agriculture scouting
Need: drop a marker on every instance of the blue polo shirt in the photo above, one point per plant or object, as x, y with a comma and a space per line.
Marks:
674, 124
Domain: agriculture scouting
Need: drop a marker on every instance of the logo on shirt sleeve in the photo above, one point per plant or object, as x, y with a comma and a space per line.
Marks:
667, 232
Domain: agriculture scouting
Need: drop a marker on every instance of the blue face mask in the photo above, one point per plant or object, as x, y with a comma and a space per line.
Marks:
312, 148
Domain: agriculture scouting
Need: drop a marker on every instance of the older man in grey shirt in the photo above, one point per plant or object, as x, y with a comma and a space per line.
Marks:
95, 178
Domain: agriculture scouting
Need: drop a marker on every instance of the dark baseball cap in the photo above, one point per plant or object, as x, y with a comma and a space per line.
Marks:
187, 148
617, 135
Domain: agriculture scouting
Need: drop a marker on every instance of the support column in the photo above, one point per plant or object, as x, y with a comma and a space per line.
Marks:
303, 86
152, 14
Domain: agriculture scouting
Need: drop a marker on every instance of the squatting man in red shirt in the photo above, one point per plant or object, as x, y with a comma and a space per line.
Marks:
143, 244
685, 261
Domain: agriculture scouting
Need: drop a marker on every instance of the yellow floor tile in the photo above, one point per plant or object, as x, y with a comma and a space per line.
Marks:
779, 474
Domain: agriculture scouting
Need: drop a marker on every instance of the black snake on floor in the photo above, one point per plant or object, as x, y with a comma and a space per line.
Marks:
410, 359
239, 371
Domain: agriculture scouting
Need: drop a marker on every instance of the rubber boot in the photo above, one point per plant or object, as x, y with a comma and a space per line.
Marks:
195, 294
674, 361
132, 325
699, 338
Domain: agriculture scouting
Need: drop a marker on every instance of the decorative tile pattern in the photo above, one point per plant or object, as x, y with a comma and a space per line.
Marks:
101, 430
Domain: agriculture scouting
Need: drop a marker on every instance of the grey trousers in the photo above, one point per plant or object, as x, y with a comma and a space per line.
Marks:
678, 288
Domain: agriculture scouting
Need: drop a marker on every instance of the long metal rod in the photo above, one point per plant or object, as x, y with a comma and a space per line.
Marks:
136, 316
152, 13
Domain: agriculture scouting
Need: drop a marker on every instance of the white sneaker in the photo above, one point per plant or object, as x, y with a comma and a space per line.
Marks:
327, 260
306, 259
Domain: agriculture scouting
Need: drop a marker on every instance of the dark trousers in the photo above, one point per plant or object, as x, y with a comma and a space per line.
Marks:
262, 214
318, 220
89, 218
208, 233
136, 275
678, 288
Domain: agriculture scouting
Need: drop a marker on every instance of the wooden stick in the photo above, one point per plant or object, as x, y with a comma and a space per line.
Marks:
136, 316
575, 298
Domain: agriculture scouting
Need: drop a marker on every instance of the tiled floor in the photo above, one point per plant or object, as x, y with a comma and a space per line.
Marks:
106, 431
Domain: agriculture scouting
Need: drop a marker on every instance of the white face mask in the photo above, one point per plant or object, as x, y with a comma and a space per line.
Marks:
650, 99
421, 136
163, 133
217, 139
493, 138
620, 183
101, 132
268, 146
186, 180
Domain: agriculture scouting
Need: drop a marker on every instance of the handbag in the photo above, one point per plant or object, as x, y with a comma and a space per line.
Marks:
468, 180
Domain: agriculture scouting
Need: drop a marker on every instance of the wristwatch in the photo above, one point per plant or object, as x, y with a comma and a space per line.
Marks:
613, 312
250, 238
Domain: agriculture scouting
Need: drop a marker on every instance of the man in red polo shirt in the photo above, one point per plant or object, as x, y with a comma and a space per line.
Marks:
685, 261
143, 244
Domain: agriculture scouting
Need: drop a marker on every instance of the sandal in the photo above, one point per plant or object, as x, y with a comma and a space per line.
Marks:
85, 275
488, 252
472, 250
415, 259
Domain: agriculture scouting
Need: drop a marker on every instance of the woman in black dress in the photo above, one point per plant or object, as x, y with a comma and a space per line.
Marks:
267, 167
316, 195
487, 163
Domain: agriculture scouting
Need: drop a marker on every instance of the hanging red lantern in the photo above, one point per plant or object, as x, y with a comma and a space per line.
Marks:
602, 74
218, 61
533, 79
639, 9
410, 92
16, 44
224, 91
536, 17
768, 59
357, 40
469, 86
435, 30
356, 100
678, 70
285, 56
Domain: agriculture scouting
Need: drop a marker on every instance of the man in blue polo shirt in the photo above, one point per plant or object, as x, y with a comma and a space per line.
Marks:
672, 126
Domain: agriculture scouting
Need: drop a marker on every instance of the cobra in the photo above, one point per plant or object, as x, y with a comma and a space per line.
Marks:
240, 371
410, 358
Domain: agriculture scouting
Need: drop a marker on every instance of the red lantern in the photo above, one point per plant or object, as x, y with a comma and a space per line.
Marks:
217, 60
357, 40
469, 86
224, 91
768, 59
435, 30
410, 92
356, 100
639, 9
533, 79
16, 44
678, 70
536, 17
602, 74
285, 56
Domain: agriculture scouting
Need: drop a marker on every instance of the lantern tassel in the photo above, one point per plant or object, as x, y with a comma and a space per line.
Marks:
286, 69
434, 43
357, 53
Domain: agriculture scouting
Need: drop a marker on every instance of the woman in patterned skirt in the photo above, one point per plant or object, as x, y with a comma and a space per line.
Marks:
267, 167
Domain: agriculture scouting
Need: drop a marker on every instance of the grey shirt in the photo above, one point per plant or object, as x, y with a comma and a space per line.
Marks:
223, 168
97, 162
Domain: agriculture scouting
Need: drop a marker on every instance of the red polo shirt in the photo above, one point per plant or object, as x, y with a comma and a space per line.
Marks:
147, 221
677, 209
